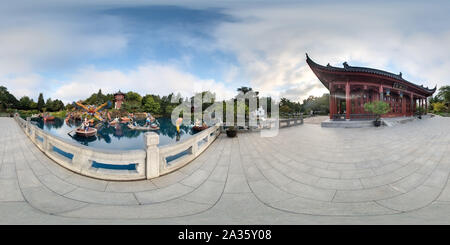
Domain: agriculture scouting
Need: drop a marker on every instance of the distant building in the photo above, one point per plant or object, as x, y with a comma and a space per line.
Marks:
118, 99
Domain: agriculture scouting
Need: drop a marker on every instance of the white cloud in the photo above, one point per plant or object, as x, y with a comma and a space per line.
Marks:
24, 85
32, 41
270, 42
146, 79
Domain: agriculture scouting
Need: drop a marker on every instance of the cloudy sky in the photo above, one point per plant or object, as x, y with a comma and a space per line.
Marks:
70, 49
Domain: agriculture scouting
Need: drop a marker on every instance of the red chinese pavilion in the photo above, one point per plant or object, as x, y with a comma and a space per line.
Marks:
350, 87
118, 99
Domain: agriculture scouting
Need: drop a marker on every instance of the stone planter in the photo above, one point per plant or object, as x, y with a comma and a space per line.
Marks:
377, 123
231, 132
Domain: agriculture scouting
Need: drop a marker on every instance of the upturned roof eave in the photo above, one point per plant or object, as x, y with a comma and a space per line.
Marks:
315, 67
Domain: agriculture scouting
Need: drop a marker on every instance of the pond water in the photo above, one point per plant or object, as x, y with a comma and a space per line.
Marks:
118, 137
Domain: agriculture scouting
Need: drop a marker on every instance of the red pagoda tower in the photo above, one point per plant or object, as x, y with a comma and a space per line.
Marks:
118, 99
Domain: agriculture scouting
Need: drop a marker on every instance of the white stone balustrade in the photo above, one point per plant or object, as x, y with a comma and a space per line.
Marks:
291, 121
270, 123
190, 147
128, 165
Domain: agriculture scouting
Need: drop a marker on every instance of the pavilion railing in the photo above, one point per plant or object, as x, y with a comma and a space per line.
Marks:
353, 116
363, 116
338, 117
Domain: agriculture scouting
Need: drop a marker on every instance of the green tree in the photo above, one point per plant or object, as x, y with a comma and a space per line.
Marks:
7, 100
439, 107
377, 107
316, 104
150, 105
444, 95
25, 103
131, 106
132, 96
286, 106
49, 104
40, 103
57, 105
285, 109
54, 105
69, 106
97, 98
33, 105
432, 100
169, 108
246, 89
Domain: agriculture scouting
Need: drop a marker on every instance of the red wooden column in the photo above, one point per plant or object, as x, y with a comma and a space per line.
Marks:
412, 104
381, 93
415, 105
332, 102
347, 100
426, 105
403, 106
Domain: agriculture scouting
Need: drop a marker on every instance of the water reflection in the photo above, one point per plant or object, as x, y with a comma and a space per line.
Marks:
118, 137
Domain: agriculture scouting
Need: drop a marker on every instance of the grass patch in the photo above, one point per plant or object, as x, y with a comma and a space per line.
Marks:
62, 113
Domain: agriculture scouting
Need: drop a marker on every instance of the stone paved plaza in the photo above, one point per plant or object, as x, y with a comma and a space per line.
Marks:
305, 175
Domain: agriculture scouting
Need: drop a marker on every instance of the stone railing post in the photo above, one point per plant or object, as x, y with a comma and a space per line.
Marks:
195, 146
32, 134
152, 159
27, 128
46, 142
209, 136
80, 161
301, 117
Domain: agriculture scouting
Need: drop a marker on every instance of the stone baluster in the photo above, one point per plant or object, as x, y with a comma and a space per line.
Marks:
46, 143
80, 161
209, 136
28, 126
195, 145
152, 159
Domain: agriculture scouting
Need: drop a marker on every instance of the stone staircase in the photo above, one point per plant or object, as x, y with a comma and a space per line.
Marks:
391, 122
347, 124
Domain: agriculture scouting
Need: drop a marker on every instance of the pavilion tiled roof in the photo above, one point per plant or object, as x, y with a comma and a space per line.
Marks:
119, 93
348, 68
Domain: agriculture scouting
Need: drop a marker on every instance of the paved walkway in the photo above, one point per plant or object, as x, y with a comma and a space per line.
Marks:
305, 175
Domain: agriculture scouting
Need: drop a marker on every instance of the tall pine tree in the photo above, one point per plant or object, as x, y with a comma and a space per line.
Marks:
41, 102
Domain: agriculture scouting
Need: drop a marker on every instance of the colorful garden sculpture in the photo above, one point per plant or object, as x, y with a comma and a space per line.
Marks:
93, 110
